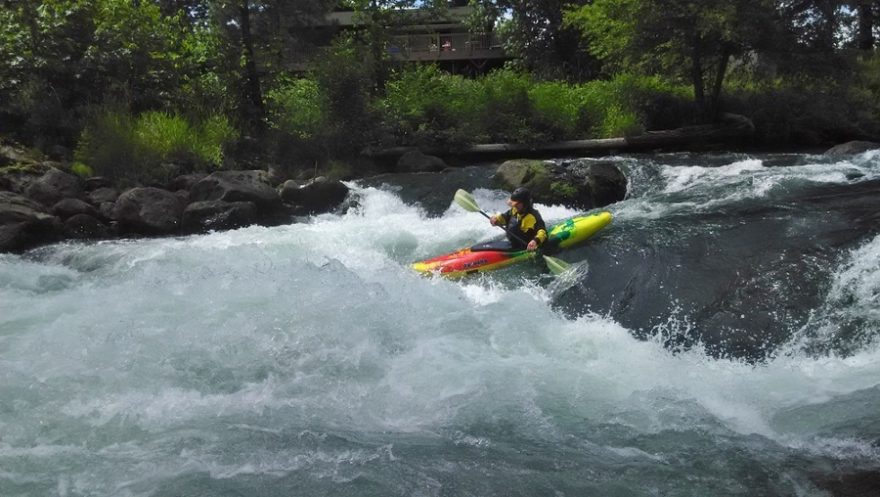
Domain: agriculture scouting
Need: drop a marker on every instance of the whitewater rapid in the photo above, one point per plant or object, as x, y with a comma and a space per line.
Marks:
309, 359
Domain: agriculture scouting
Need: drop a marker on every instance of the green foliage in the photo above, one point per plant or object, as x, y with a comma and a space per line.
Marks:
296, 107
81, 170
629, 104
213, 134
425, 106
686, 40
620, 122
344, 77
122, 147
206, 85
508, 110
798, 111
58, 57
556, 107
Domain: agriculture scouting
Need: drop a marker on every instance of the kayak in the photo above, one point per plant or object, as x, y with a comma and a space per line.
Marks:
490, 256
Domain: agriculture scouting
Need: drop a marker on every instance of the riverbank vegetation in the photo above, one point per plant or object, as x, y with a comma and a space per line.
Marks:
140, 90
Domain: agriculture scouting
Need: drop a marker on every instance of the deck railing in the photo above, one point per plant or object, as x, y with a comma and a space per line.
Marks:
419, 48
445, 46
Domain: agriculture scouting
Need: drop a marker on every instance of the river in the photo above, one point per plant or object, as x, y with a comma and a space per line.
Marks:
718, 338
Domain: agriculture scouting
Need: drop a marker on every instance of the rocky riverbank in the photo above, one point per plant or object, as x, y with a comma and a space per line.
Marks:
44, 202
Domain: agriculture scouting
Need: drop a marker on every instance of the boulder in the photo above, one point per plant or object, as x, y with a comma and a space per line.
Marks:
317, 196
185, 181
24, 223
598, 183
210, 215
70, 207
96, 182
84, 226
579, 184
13, 153
415, 161
851, 148
105, 210
237, 186
15, 208
533, 174
102, 194
148, 211
53, 186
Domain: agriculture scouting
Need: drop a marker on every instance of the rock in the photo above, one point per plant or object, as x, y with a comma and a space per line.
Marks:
84, 226
290, 185
15, 208
210, 215
103, 194
533, 174
18, 237
183, 195
317, 196
185, 181
105, 210
59, 152
69, 207
851, 148
600, 184
96, 182
53, 186
12, 153
148, 211
24, 223
415, 161
578, 184
237, 186
17, 180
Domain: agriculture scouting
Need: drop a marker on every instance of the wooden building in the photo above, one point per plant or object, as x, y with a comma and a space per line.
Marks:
422, 36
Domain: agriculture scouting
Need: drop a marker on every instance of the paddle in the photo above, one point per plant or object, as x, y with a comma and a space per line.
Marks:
468, 203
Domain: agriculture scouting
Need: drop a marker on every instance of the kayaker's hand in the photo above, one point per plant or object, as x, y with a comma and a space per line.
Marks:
493, 221
532, 246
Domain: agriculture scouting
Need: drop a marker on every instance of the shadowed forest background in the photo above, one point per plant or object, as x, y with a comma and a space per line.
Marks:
130, 88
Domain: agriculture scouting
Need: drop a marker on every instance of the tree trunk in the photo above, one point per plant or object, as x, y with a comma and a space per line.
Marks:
715, 97
254, 94
697, 78
866, 25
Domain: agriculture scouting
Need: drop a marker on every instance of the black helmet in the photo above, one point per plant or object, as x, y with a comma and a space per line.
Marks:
522, 194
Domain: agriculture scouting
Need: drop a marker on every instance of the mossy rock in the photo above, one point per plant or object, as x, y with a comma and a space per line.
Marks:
533, 174
587, 187
24, 168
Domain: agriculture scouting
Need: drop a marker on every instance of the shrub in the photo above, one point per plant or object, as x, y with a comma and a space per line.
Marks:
81, 170
425, 106
121, 147
627, 104
620, 122
344, 76
295, 108
556, 109
508, 109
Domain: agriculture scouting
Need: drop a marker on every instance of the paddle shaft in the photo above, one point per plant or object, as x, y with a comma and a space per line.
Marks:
466, 200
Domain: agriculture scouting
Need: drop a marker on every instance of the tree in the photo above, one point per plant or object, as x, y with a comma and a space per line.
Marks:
688, 39
255, 34
58, 57
535, 34
868, 11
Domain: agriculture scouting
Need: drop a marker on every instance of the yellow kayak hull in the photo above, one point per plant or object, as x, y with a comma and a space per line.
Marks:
472, 260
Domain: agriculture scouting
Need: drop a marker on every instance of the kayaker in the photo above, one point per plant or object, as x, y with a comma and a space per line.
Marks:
524, 226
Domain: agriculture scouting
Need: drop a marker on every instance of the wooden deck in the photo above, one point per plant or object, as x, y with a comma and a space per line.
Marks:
445, 46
